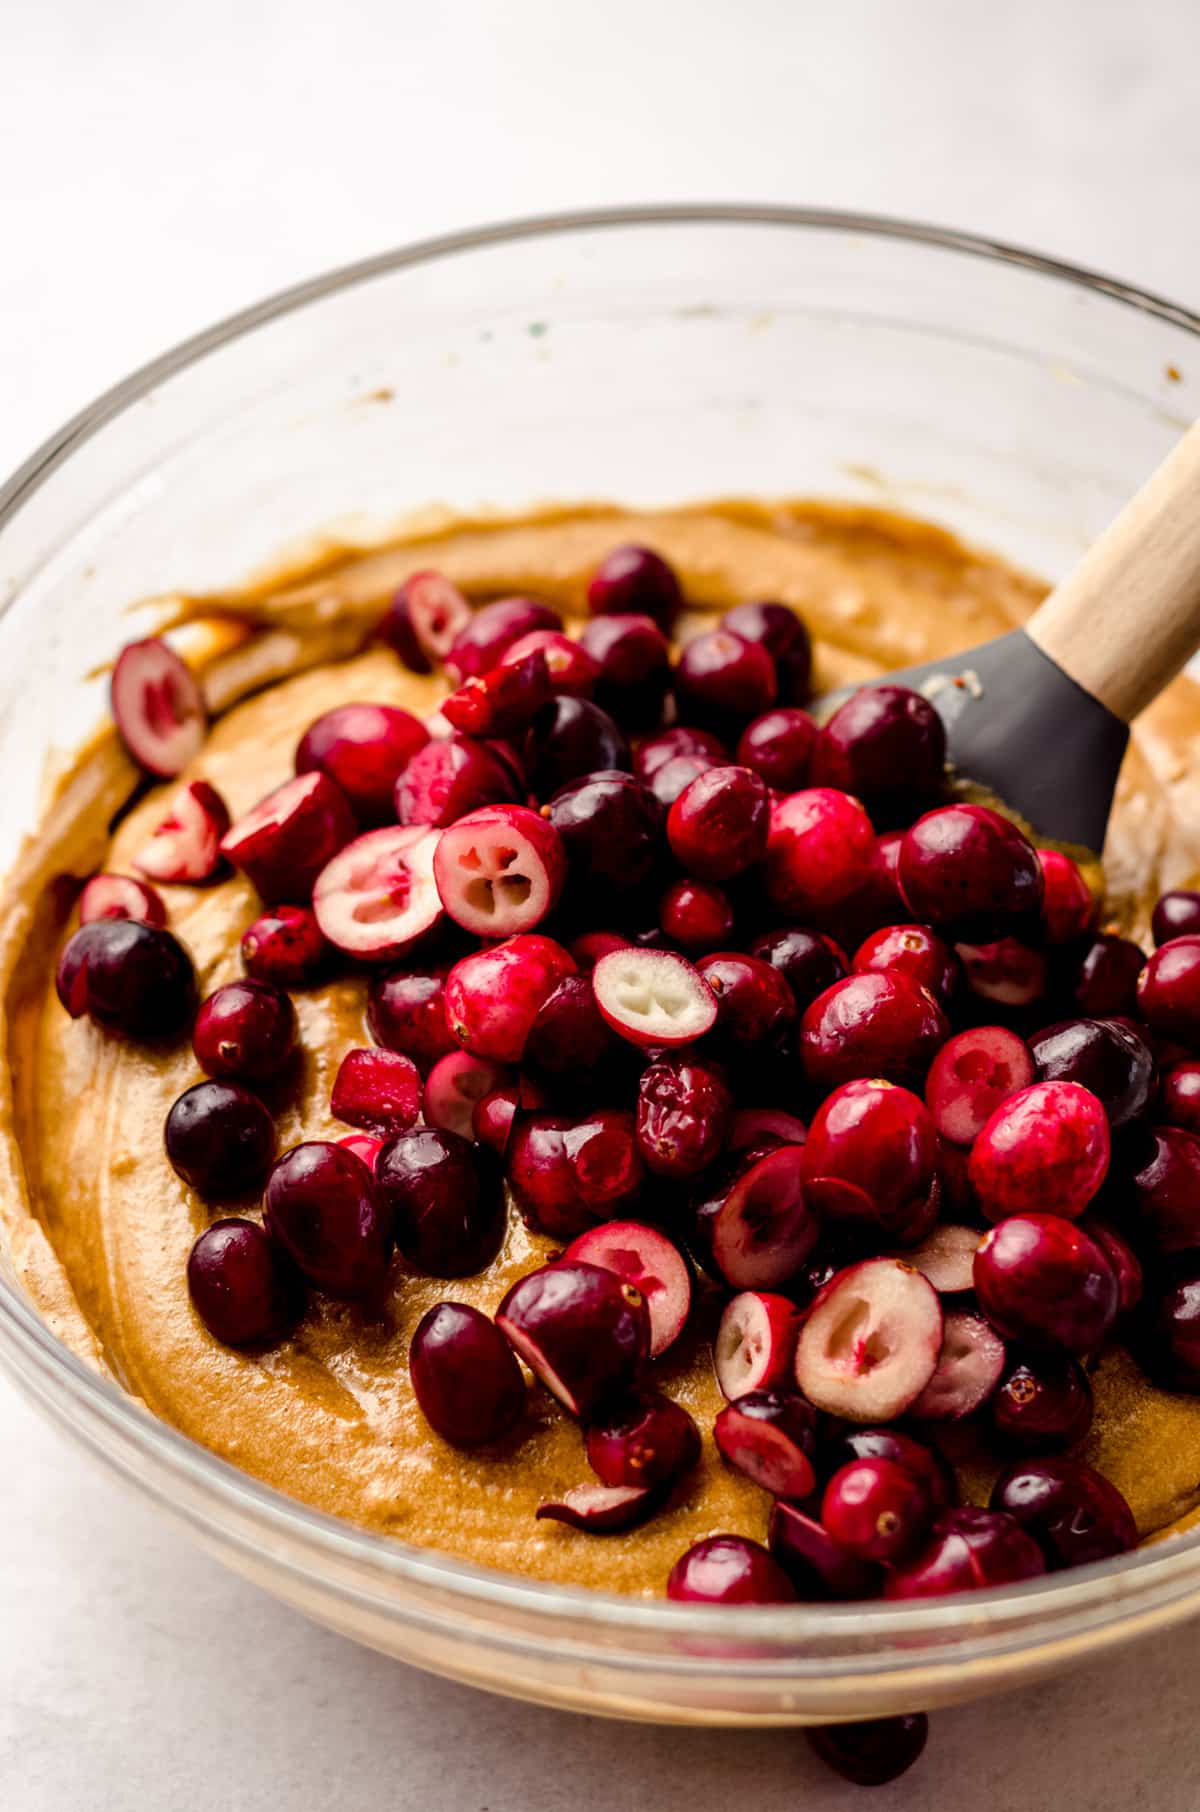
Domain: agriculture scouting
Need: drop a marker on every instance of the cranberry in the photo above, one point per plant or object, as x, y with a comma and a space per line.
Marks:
683, 1113
1073, 1513
186, 845
783, 634
377, 899
633, 657
582, 1332
611, 829
969, 871
771, 1436
635, 579
322, 1206
808, 962
914, 951
677, 775
728, 1569
604, 1509
755, 1129
925, 1463
1166, 1190
569, 1033
817, 1567
241, 1285
1008, 972
282, 844
642, 1256
969, 1550
456, 1085
501, 702
284, 947
969, 1368
158, 707
1068, 904
220, 1139
364, 1146
947, 1258
870, 1342
972, 1074
779, 746
756, 1009
648, 1441
1168, 990
754, 1221
1177, 914
565, 1174
569, 738
450, 777
569, 666
493, 996
1045, 1148
465, 1378
590, 946
245, 1029
697, 915
721, 681
1042, 1404
1107, 1056
120, 897
871, 1025
500, 870
653, 997
873, 1752
445, 1199
1179, 1096
755, 1344
871, 1151
490, 633
717, 827
1042, 1280
878, 901
876, 1509
679, 743
128, 977
379, 1091
1123, 1262
1104, 979
1171, 1339
364, 748
887, 746
423, 619
406, 1012
818, 852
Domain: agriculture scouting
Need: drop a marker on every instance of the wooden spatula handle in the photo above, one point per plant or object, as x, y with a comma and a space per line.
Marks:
1127, 619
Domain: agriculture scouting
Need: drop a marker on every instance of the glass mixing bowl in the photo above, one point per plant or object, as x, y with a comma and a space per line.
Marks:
649, 356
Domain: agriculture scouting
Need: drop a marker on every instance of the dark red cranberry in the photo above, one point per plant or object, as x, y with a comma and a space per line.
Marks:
406, 1012
970, 872
568, 1033
423, 619
1103, 980
696, 915
501, 702
1123, 1261
871, 1025
878, 901
756, 1010
220, 1139
728, 1569
611, 828
785, 638
635, 579
128, 977
874, 1752
925, 1463
876, 1509
322, 1206
721, 681
1166, 1190
779, 746
911, 950
677, 743
808, 962
1177, 914
871, 1152
493, 996
1045, 1149
241, 1284
1179, 1096
445, 1199
1168, 990
1042, 1404
450, 777
717, 827
284, 946
1068, 904
817, 1567
245, 1029
571, 737
676, 776
1040, 1279
465, 1378
566, 1174
582, 1332
634, 661
683, 1114
971, 1075
490, 633
887, 746
364, 748
282, 843
1170, 1343
969, 1550
818, 853
753, 1220
648, 1441
1107, 1056
1073, 1513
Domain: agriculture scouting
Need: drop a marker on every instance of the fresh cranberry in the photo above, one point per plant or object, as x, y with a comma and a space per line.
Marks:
1104, 978
677, 775
871, 1025
683, 1113
1123, 1262
969, 1369
569, 738
611, 829
779, 746
1073, 1513
377, 900
925, 1463
873, 1752
454, 1088
246, 1029
783, 634
364, 1146
635, 579
566, 1174
647, 1259
721, 681
648, 1441
220, 1139
871, 1151
696, 915
282, 844
887, 746
569, 1033
364, 748
756, 1010
1179, 1096
1044, 1149
569, 666
1042, 1404
1106, 1056
911, 950
1008, 973
465, 1378
755, 1344
878, 901
1168, 990
970, 1550
128, 977
450, 777
445, 1199
1170, 1347
1040, 1279
678, 743
808, 962
604, 1509
972, 1074
728, 1569
186, 844
379, 1091
947, 1257
590, 946
876, 1510
1177, 914
501, 702
870, 1342
817, 1567
967, 870
633, 658
1068, 904
500, 870
120, 897
1166, 1190
490, 633
284, 947
717, 827
818, 852
423, 619
653, 997
158, 707
582, 1332
322, 1206
493, 996
406, 1012
241, 1284
753, 1220
771, 1436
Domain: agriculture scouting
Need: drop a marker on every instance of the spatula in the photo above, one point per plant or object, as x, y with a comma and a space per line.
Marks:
1040, 717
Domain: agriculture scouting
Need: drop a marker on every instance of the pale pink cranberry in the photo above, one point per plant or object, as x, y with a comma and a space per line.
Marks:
569, 666
186, 844
754, 1221
721, 681
604, 1509
871, 1152
364, 748
876, 1509
634, 579
450, 777
887, 746
634, 661
446, 1199
717, 828
284, 946
971, 1075
1179, 1096
406, 1012
756, 1010
1168, 990
969, 1369
1040, 1279
653, 997
1009, 973
771, 1437
1176, 914
681, 741
647, 1259
454, 1087
322, 1206
493, 996
377, 900
465, 1377
282, 844
808, 961
1166, 1190
158, 707
1068, 904
120, 897
754, 1348
683, 1113
728, 1569
379, 1091
246, 1030
783, 634
364, 1146
484, 640
583, 1333
501, 702
242, 1286
1073, 1512
647, 1441
947, 1258
870, 1342
423, 620
1104, 982
697, 915
871, 1025
968, 1551
967, 870
914, 951
779, 746
818, 852
500, 870
1044, 1150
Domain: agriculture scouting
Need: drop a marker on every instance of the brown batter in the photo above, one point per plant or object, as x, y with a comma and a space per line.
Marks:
99, 1224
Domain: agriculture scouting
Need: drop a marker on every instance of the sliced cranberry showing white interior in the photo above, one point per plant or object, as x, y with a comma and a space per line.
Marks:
755, 1345
771, 1436
158, 707
752, 1128
757, 1223
871, 1342
454, 1086
947, 1258
186, 846
812, 1560
282, 843
500, 870
653, 997
378, 898
971, 1075
969, 1368
603, 1509
645, 1258
120, 897
424, 618
1008, 972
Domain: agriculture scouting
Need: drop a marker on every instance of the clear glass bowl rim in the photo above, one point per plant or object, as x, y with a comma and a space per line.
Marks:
1150, 1578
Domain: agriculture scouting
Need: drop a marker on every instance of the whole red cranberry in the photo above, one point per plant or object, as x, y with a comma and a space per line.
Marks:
876, 1509
465, 1377
406, 1012
779, 746
566, 1174
571, 737
728, 1569
635, 579
818, 852
717, 827
1074, 1513
634, 661
128, 977
675, 776
491, 631
878, 901
696, 915
1177, 914
1102, 981
1068, 904
871, 1025
1045, 1149
969, 1550
1170, 1343
445, 1199
783, 634
450, 777
1042, 1404
220, 1139
808, 962
721, 681
1166, 1191
611, 828
670, 745
242, 1286
648, 1441
1168, 990
493, 996
887, 746
568, 1033
364, 748
1108, 1056
968, 871
245, 1029
1040, 1279
1179, 1096
322, 1206
1123, 1261
874, 1752
756, 1009
925, 1463
683, 1115
871, 1152
284, 946
911, 950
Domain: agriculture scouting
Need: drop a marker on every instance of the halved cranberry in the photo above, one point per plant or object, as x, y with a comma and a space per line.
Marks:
755, 1344
887, 746
364, 1146
378, 899
565, 1173
465, 1378
873, 1752
870, 1342
1042, 1404
969, 1369
681, 741
494, 995
1042, 1280
423, 619
755, 1220
1179, 1096
635, 578
568, 739
120, 897
924, 1462
448, 778
785, 638
582, 1332
818, 852
972, 1074
379, 1091
756, 1128
634, 661
1170, 1346
322, 1206
282, 844
914, 951
696, 915
406, 1012
1045, 1149
284, 946
876, 1509
728, 1569
445, 1198
969, 1550
947, 1258
756, 1009
871, 1152
653, 997
128, 977
499, 870
642, 1256
871, 1025
241, 1284
808, 962
186, 844
246, 1029
1074, 1513
683, 1113
1168, 990
494, 1114
220, 1139
603, 1509
364, 748
490, 633
816, 1565
455, 1086
1107, 1056
1009, 972
1105, 977
717, 827
721, 681
1166, 1190
647, 1441
778, 746
158, 707
1068, 904
771, 1436
968, 870
1176, 914
501, 702
569, 667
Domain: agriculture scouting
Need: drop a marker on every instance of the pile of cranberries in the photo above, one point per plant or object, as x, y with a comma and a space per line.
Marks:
751, 1018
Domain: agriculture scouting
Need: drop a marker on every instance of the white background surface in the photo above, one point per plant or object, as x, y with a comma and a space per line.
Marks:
162, 165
